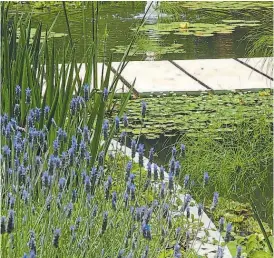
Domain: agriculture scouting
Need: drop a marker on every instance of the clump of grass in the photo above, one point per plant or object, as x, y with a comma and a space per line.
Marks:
241, 162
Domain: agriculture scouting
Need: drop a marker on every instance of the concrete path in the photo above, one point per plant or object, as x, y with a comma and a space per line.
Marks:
262, 65
194, 76
158, 76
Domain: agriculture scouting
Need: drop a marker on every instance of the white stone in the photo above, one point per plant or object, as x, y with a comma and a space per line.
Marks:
263, 64
158, 76
224, 74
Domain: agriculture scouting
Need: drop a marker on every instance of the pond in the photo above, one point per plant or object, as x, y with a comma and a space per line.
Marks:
208, 30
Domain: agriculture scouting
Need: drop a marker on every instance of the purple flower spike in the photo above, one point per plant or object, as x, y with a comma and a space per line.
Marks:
105, 94
215, 201
141, 150
133, 149
150, 155
125, 120
56, 237
117, 123
143, 109
206, 178
86, 92
28, 95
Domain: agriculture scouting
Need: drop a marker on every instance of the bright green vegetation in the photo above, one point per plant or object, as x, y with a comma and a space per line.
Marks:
144, 47
207, 114
198, 29
225, 5
247, 231
241, 162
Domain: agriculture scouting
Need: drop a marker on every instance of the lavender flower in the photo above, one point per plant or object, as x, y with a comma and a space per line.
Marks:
186, 181
239, 251
128, 168
6, 151
46, 179
162, 190
133, 149
69, 209
105, 94
105, 222
177, 168
18, 91
150, 155
170, 181
101, 158
55, 147
86, 92
114, 200
125, 120
141, 154
56, 237
165, 210
87, 184
146, 231
74, 196
172, 165
206, 178
146, 185
10, 225
200, 209
143, 109
126, 200
221, 224
117, 123
46, 112
28, 95
215, 201
82, 148
155, 172
120, 253
25, 196
187, 200
220, 252
11, 201
177, 251
228, 232
132, 192
32, 243
173, 152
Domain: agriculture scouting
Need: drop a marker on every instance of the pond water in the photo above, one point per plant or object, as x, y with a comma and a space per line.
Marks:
119, 19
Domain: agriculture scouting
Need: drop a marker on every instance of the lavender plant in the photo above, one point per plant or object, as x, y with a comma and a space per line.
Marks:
79, 208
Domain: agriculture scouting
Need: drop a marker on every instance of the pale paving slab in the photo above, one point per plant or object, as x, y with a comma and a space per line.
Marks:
209, 249
263, 64
224, 74
158, 76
